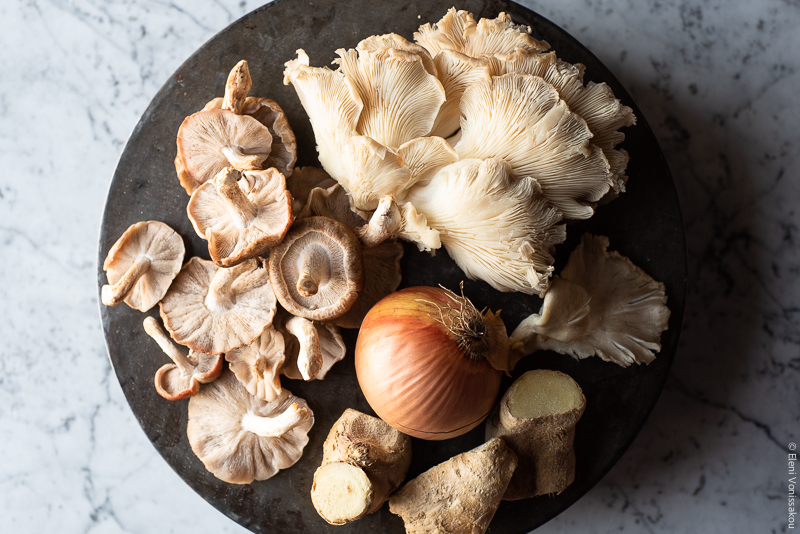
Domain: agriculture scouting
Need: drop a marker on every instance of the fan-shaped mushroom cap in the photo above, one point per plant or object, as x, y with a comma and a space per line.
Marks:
283, 151
181, 379
142, 264
311, 347
209, 141
215, 310
522, 119
241, 214
458, 31
496, 228
595, 103
624, 318
302, 181
240, 438
258, 365
318, 270
381, 262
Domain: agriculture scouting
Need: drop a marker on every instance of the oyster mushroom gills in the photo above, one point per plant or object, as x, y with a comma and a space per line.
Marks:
318, 270
602, 304
214, 310
181, 379
142, 264
240, 438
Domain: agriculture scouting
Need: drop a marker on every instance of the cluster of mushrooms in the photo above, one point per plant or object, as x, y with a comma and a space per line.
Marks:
475, 138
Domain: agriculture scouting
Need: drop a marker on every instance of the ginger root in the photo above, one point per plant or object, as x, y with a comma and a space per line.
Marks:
537, 418
459, 496
364, 460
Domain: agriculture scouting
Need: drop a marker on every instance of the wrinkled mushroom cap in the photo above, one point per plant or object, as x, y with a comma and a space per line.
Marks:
627, 309
258, 365
318, 271
220, 435
241, 214
209, 141
283, 151
215, 310
156, 244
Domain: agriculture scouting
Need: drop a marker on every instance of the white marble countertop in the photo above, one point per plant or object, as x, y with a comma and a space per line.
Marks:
716, 81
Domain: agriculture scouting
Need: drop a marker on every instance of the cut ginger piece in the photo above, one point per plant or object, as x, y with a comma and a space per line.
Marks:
459, 496
363, 461
537, 418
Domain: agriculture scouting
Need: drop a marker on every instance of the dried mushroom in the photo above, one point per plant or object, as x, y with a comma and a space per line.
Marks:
242, 214
258, 365
496, 228
214, 310
142, 264
617, 311
311, 347
381, 262
216, 138
181, 379
318, 270
240, 438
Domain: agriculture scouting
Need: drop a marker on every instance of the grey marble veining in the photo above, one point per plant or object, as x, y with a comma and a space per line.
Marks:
715, 80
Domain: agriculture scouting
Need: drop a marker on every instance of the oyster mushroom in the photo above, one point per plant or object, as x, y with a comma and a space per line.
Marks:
213, 139
242, 214
381, 262
240, 438
258, 365
181, 379
602, 304
495, 227
318, 270
215, 310
311, 347
141, 265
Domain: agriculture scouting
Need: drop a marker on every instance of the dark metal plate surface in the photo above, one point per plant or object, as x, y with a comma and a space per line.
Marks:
644, 224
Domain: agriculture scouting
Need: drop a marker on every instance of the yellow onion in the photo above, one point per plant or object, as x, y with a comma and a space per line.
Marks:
429, 362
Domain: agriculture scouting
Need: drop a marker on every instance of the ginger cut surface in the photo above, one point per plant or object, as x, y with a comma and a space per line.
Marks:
364, 461
537, 418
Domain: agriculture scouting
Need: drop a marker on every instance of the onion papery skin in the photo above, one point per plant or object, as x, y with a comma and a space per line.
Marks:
413, 373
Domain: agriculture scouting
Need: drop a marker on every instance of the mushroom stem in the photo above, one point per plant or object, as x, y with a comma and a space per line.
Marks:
219, 297
242, 210
314, 268
175, 354
113, 295
384, 222
274, 427
237, 87
309, 360
240, 160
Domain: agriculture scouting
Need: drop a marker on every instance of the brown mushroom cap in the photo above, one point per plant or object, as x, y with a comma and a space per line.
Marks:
241, 214
258, 365
209, 141
240, 438
181, 379
381, 263
318, 270
215, 310
142, 264
283, 152
302, 181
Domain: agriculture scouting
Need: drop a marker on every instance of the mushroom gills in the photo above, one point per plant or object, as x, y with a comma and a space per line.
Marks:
314, 266
275, 427
111, 295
